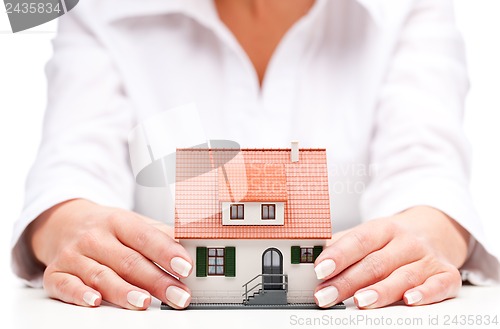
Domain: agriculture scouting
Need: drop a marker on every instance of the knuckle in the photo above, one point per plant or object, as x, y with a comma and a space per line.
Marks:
442, 283
142, 239
115, 217
415, 245
412, 278
130, 264
66, 255
87, 241
432, 264
97, 276
62, 285
347, 284
412, 242
392, 228
362, 241
373, 265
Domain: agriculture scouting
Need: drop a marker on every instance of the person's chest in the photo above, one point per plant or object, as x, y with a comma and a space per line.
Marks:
260, 25
320, 84
318, 88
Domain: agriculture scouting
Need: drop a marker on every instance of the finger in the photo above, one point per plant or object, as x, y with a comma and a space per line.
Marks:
337, 236
391, 289
435, 289
371, 269
153, 244
352, 247
103, 279
167, 229
140, 271
70, 289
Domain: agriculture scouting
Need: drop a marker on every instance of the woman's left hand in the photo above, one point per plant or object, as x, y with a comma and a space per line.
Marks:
414, 256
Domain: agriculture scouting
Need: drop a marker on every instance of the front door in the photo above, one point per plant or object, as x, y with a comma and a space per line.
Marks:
272, 263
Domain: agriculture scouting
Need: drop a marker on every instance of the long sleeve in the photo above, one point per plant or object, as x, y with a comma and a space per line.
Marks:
419, 149
83, 153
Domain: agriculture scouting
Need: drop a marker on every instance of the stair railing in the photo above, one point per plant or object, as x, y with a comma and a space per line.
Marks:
284, 283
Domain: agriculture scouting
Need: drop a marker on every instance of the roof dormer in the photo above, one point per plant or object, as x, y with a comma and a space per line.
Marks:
253, 213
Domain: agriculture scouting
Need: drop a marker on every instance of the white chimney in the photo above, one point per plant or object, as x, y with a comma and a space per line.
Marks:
294, 155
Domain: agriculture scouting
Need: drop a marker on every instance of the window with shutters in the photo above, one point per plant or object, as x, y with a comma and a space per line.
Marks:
306, 255
215, 261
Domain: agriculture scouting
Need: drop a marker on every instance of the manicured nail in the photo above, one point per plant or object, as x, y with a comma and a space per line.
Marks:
413, 297
366, 298
180, 266
325, 268
137, 298
177, 296
326, 296
90, 298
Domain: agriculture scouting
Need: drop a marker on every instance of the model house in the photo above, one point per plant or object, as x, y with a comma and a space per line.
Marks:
253, 221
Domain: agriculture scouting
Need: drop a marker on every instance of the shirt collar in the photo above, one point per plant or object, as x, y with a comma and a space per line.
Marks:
200, 10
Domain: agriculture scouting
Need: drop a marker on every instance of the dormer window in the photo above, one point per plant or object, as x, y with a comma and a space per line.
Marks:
237, 211
268, 211
253, 213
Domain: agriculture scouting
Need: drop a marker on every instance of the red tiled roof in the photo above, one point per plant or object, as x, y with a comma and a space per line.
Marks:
206, 177
252, 182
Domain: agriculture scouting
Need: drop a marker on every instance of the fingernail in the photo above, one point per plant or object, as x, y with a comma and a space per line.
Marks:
177, 296
90, 298
180, 266
366, 298
413, 297
326, 296
137, 298
325, 268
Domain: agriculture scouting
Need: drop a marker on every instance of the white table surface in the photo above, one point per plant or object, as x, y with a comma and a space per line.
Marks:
31, 308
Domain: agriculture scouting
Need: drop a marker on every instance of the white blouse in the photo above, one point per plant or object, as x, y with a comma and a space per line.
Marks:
379, 84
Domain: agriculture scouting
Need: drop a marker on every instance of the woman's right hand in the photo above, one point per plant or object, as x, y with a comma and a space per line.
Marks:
94, 253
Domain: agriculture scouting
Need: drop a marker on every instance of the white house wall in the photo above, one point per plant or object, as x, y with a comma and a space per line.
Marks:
219, 289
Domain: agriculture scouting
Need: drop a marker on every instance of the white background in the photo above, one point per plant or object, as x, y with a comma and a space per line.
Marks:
22, 103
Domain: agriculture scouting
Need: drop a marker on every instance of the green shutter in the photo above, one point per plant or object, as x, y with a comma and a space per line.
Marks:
230, 262
201, 261
316, 251
295, 252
